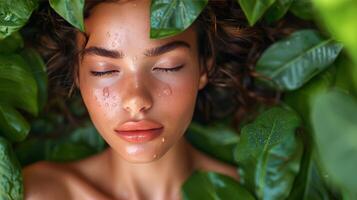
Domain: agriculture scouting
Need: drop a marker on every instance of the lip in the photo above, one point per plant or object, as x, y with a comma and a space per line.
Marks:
139, 131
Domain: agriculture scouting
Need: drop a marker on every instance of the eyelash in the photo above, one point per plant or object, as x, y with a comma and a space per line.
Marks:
174, 69
98, 73
95, 73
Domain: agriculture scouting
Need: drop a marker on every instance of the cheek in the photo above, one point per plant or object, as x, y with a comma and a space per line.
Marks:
178, 107
101, 102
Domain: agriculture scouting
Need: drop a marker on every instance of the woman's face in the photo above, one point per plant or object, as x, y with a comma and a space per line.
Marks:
130, 83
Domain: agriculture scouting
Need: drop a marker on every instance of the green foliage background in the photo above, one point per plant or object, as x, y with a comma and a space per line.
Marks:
304, 148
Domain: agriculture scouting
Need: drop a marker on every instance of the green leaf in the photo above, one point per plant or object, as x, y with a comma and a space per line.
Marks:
11, 186
302, 9
339, 18
12, 124
81, 143
30, 151
38, 69
217, 139
14, 15
310, 183
277, 10
17, 85
346, 75
293, 61
301, 100
71, 11
171, 17
334, 119
254, 9
213, 186
269, 153
12, 43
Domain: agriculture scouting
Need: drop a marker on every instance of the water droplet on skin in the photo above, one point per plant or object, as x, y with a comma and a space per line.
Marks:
154, 156
106, 92
106, 104
114, 105
167, 91
163, 140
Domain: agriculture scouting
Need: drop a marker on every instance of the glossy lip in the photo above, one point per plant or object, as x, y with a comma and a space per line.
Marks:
139, 131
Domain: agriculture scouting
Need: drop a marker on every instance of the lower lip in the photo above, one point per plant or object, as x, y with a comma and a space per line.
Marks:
139, 136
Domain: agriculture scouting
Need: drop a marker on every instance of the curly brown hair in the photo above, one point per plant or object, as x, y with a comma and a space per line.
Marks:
222, 33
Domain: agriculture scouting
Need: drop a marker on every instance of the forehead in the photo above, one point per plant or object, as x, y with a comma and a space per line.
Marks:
126, 25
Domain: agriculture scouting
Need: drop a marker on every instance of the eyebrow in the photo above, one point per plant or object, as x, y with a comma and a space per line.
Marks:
156, 51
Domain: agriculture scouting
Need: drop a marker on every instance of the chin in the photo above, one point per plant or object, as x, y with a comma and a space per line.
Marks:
140, 153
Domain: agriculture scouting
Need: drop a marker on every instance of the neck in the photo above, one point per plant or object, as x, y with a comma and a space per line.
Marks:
160, 179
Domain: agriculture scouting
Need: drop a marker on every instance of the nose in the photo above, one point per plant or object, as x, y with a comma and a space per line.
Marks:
137, 98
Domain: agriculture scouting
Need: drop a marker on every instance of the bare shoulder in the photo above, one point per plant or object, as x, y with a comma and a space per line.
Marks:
45, 180
205, 162
73, 180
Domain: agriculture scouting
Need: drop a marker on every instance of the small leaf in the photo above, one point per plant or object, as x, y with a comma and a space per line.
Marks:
17, 85
254, 9
302, 9
293, 61
38, 69
11, 186
277, 10
12, 124
12, 43
13, 15
71, 11
171, 17
213, 186
269, 153
334, 119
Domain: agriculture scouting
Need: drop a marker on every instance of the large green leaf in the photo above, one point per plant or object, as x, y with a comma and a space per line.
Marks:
254, 9
340, 19
11, 187
12, 43
71, 11
269, 153
170, 17
213, 186
277, 10
302, 9
293, 61
12, 124
17, 85
217, 139
14, 15
38, 69
334, 118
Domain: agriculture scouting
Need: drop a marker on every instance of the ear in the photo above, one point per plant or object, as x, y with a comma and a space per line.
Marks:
204, 76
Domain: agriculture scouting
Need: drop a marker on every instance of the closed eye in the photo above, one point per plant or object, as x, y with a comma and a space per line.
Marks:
100, 73
173, 69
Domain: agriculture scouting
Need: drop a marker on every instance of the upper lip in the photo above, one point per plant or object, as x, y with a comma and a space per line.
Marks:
139, 125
